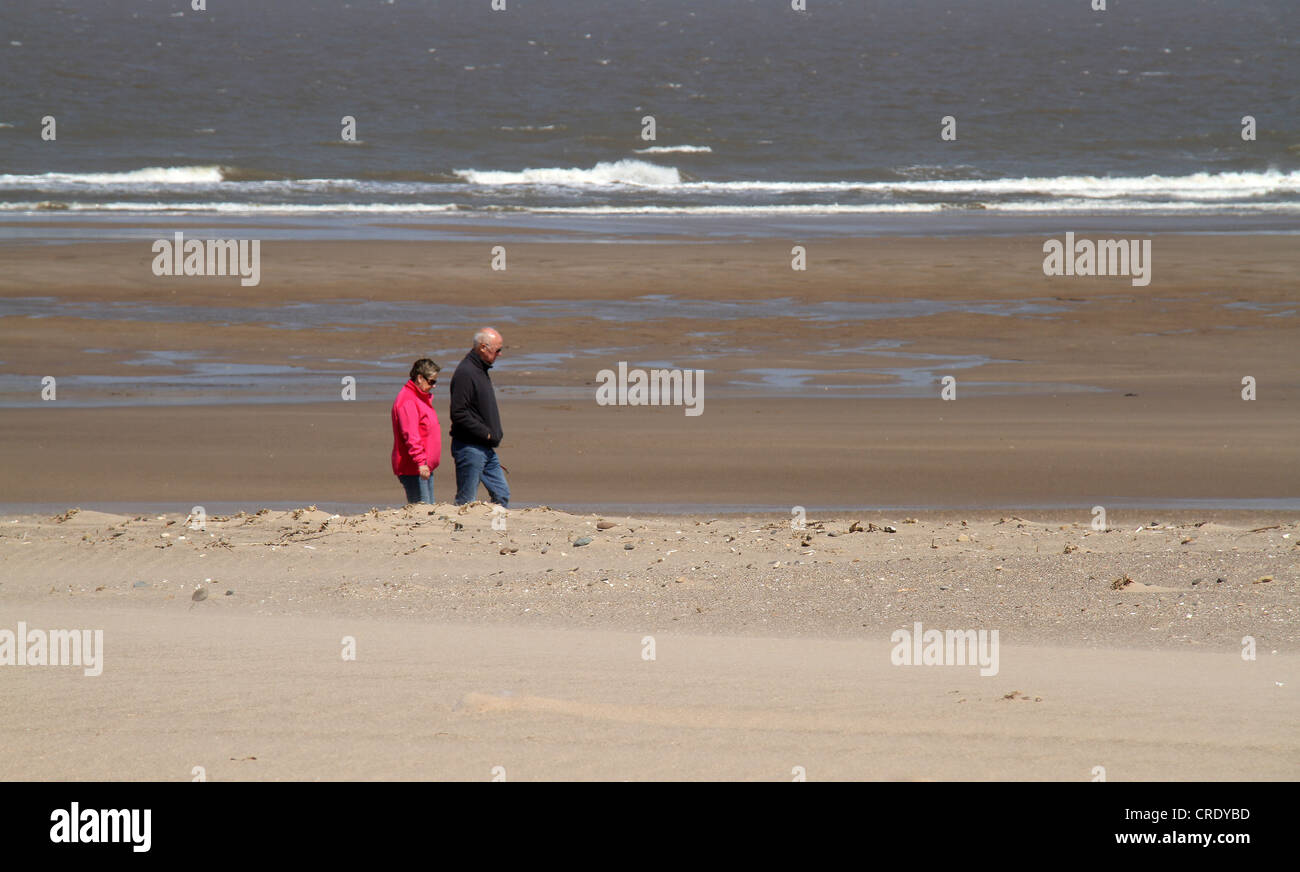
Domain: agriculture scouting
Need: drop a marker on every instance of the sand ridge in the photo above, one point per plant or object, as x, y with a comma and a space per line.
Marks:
1182, 582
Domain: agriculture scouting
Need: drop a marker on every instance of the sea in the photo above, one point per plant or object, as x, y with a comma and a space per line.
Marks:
631, 117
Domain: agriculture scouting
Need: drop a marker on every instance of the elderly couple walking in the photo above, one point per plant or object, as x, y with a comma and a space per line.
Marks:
475, 427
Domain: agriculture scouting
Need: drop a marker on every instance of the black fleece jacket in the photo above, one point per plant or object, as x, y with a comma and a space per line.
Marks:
474, 416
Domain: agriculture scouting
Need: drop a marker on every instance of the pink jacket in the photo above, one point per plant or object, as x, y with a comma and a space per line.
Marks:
416, 435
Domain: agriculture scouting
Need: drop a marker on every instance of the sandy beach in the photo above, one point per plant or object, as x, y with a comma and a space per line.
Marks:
478, 647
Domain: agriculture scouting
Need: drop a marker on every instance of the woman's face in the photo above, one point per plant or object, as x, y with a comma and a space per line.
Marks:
425, 385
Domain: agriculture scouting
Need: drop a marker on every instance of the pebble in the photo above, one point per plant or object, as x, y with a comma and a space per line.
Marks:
140, 584
200, 595
627, 546
581, 540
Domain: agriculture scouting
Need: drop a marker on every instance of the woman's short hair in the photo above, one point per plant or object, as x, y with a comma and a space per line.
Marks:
425, 367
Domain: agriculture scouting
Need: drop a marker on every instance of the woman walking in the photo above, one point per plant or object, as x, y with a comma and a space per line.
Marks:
417, 442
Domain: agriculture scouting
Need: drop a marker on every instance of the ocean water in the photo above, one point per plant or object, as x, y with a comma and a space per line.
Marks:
759, 111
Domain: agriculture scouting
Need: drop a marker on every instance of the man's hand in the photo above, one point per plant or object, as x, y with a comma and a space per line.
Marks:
425, 472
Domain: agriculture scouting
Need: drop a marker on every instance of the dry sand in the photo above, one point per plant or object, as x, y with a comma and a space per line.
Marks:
770, 653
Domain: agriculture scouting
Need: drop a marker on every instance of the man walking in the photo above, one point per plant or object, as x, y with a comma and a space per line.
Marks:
476, 423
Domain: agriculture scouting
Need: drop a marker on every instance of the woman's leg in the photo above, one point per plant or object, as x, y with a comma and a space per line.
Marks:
411, 484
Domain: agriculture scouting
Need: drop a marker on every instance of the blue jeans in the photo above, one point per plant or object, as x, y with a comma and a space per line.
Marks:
418, 490
475, 463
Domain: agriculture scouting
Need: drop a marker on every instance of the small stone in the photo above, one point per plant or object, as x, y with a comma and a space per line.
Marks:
200, 595
140, 584
581, 540
605, 525
627, 546
230, 593
963, 538
889, 529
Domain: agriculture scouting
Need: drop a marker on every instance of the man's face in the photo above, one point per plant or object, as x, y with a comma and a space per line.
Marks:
490, 350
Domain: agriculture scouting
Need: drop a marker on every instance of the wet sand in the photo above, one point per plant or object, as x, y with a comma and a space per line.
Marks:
1073, 450
1185, 331
1056, 427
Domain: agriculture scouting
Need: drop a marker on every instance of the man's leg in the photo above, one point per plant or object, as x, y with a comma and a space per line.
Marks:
495, 480
469, 466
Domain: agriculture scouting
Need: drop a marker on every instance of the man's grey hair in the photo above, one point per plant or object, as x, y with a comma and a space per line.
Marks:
483, 336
